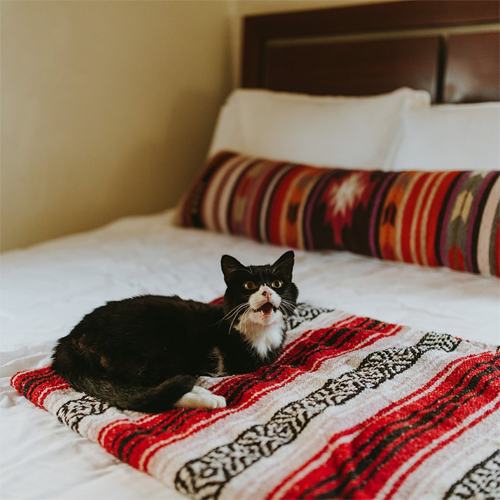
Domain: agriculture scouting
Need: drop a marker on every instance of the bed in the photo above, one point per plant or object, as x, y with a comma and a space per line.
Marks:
448, 52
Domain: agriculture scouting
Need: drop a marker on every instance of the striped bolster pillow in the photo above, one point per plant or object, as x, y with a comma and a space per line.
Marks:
428, 218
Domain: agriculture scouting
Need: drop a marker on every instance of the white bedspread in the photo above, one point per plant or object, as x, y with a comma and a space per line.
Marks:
46, 290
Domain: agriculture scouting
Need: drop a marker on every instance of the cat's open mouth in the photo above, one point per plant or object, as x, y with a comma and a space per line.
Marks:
266, 308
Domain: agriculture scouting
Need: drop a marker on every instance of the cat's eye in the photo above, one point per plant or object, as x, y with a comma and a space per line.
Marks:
277, 284
249, 285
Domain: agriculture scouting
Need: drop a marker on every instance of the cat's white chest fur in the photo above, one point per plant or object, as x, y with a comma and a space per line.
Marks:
263, 338
269, 339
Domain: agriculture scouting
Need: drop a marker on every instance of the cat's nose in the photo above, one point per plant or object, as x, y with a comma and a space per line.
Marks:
265, 293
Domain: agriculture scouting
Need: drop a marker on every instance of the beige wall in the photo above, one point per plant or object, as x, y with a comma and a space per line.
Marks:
107, 109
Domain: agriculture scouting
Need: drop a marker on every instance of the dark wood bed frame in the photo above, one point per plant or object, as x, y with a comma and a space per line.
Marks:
447, 47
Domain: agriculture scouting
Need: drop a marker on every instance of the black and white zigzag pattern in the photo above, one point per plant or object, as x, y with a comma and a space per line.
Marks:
205, 477
74, 411
304, 312
482, 482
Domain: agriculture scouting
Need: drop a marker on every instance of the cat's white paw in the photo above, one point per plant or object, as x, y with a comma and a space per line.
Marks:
221, 401
200, 390
201, 398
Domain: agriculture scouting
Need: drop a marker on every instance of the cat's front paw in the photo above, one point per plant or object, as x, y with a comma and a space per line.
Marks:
199, 397
212, 401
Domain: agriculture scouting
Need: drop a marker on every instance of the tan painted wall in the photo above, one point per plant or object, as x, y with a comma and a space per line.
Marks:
107, 109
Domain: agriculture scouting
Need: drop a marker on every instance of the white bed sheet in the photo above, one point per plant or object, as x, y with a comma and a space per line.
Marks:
46, 290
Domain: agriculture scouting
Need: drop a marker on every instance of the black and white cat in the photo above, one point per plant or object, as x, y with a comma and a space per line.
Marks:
144, 353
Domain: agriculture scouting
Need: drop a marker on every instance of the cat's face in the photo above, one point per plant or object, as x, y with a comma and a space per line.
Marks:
259, 295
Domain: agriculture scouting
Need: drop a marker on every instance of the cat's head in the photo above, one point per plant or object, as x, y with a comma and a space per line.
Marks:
260, 295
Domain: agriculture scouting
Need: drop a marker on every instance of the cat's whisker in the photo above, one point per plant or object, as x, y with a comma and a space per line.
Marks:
287, 302
242, 306
289, 308
288, 305
252, 325
230, 313
231, 325
234, 311
246, 312
285, 312
232, 322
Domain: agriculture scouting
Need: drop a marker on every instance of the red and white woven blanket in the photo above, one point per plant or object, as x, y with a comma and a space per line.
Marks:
353, 408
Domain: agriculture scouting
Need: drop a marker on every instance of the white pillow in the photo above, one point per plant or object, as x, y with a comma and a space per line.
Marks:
450, 137
351, 132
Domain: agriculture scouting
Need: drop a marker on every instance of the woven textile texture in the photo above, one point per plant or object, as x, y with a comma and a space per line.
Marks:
353, 408
447, 219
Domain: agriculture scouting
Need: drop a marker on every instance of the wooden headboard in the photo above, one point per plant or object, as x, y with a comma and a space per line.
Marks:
449, 48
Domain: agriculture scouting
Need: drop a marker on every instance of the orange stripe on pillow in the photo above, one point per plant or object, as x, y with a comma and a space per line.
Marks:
427, 218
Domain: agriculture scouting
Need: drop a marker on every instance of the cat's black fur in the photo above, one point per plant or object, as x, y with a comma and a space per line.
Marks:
144, 353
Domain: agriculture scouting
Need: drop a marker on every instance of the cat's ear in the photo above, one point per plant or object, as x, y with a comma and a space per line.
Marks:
285, 264
229, 266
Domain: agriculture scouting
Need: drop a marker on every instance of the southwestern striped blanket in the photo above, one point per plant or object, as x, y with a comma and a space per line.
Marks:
353, 408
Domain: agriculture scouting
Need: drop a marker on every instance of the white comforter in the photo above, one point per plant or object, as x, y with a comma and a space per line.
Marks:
48, 288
